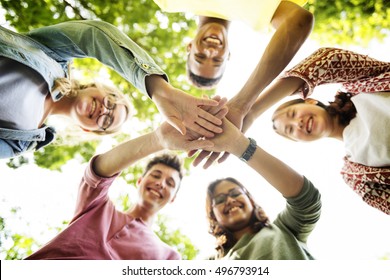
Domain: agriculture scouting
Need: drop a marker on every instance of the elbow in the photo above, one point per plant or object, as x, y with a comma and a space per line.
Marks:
304, 21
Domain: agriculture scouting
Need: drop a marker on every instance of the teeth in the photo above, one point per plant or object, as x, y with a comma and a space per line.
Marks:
233, 209
310, 125
213, 41
93, 107
155, 193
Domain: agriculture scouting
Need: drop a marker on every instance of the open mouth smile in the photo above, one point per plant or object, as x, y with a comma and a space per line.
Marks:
155, 193
233, 209
213, 40
93, 108
309, 125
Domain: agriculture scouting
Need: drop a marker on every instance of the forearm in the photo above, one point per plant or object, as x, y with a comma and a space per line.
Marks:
276, 92
293, 24
126, 154
281, 176
103, 41
333, 65
157, 87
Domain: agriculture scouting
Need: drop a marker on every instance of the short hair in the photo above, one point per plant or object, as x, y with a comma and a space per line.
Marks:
202, 82
170, 160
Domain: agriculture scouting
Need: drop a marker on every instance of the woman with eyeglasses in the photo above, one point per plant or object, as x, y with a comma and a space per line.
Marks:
35, 84
240, 226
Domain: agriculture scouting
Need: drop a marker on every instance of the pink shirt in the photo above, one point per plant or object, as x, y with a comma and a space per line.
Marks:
98, 231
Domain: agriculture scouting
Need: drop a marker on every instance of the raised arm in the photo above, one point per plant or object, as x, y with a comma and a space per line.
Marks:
106, 43
280, 89
281, 176
324, 66
127, 153
293, 24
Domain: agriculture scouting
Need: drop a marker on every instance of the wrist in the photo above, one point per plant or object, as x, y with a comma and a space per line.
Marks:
237, 145
157, 138
239, 106
155, 86
249, 151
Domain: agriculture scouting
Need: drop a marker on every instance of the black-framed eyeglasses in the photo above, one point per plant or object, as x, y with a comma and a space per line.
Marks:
221, 198
104, 121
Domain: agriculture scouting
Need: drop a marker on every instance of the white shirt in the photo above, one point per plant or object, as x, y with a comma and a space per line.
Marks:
367, 137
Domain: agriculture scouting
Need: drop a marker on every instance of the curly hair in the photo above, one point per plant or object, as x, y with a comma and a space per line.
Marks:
224, 238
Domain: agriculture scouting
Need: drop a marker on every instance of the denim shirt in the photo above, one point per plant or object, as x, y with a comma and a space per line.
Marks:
48, 50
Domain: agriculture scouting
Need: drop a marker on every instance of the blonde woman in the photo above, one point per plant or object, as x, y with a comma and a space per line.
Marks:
34, 82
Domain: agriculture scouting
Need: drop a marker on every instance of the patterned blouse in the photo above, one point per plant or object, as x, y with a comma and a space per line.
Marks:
358, 74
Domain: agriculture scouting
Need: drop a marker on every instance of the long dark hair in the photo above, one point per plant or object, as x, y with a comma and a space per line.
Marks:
341, 107
224, 238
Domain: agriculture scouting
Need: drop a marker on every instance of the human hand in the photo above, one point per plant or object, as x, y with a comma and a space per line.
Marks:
172, 139
235, 116
232, 140
220, 112
183, 110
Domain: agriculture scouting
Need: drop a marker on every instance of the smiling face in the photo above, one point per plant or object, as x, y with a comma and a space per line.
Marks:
232, 208
208, 51
158, 186
96, 110
303, 122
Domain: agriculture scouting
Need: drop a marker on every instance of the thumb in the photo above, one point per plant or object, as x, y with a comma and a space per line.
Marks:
177, 124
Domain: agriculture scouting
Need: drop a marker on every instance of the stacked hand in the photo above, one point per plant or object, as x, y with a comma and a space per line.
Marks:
182, 110
234, 117
171, 138
191, 122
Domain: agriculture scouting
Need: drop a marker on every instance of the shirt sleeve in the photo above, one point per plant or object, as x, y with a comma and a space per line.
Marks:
100, 40
93, 190
372, 184
302, 212
332, 65
6, 149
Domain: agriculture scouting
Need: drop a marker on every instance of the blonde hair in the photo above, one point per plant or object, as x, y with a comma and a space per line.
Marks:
70, 88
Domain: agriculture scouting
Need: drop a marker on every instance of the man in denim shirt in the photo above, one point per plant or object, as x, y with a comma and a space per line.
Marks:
42, 57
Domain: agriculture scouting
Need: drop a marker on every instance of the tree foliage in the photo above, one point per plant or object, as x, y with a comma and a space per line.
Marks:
14, 246
344, 22
164, 37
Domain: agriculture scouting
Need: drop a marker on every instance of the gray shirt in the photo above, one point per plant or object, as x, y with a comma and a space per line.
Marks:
22, 94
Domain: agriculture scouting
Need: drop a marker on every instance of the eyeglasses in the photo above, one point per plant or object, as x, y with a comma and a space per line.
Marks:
104, 121
221, 198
